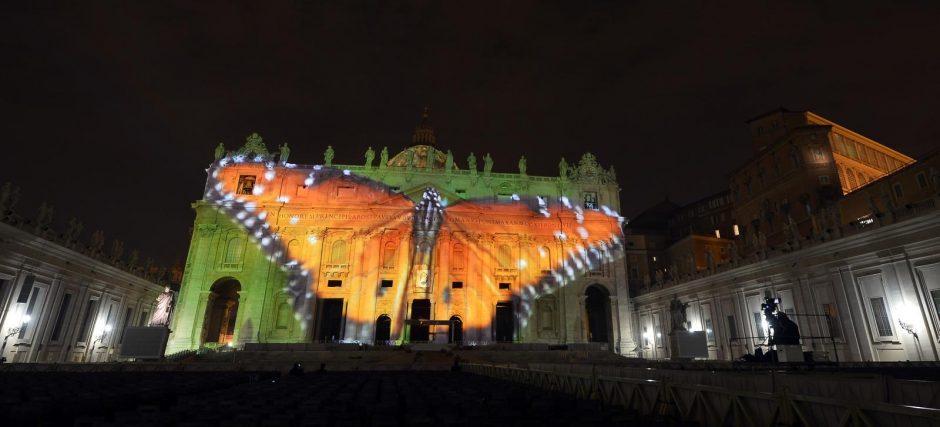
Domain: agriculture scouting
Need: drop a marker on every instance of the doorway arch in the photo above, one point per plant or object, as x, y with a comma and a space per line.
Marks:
597, 308
455, 334
383, 330
221, 311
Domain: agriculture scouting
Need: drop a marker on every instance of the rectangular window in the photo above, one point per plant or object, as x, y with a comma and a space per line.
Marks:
759, 324
88, 319
456, 285
504, 286
387, 283
590, 200
246, 184
922, 180
935, 296
836, 329
127, 319
60, 317
25, 290
144, 319
29, 311
709, 332
334, 283
881, 317
898, 191
824, 179
732, 328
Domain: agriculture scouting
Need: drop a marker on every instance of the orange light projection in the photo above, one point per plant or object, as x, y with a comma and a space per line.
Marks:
338, 235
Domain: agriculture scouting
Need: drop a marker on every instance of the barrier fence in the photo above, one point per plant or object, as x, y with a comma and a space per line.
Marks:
711, 405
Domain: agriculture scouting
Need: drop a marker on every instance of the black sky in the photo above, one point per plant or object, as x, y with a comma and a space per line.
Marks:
112, 111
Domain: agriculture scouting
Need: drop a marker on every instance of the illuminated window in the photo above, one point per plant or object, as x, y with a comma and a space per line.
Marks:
545, 259
459, 257
29, 311
505, 256
338, 252
590, 200
759, 324
387, 283
246, 184
709, 333
389, 255
234, 249
334, 283
456, 285
737, 231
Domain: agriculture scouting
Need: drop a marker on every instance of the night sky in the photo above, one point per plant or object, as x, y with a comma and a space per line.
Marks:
112, 112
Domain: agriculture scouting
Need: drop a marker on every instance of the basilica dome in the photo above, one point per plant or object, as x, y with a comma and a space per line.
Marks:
423, 142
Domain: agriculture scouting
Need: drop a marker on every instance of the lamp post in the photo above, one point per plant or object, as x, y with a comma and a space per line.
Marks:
909, 328
13, 331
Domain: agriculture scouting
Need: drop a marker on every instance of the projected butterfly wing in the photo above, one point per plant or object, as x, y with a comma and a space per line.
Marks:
587, 239
266, 200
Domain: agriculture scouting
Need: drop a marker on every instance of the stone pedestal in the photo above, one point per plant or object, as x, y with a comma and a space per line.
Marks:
687, 345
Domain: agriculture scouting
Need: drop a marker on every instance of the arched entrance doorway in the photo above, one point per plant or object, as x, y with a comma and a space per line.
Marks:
455, 335
420, 310
383, 330
221, 310
505, 327
597, 306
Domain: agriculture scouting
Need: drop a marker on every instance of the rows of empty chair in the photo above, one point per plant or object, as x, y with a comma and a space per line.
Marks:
373, 398
50, 398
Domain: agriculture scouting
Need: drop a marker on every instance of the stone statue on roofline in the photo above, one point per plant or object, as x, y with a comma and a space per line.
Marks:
487, 164
9, 197
472, 163
429, 159
285, 153
409, 158
449, 163
563, 168
370, 156
97, 243
117, 250
44, 219
328, 155
383, 158
220, 151
522, 165
72, 232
